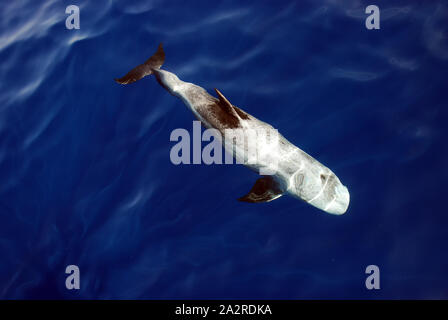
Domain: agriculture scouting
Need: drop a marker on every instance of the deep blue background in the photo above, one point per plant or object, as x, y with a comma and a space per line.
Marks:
86, 179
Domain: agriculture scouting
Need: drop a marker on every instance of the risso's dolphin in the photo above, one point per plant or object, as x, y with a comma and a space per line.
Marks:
292, 170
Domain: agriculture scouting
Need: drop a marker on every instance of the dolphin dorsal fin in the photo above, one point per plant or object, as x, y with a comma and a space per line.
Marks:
222, 98
265, 189
225, 104
230, 108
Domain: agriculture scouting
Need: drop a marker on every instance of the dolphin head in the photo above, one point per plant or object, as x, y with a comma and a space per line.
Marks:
322, 189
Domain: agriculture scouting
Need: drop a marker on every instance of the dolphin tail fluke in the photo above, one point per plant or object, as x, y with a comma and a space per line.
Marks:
143, 70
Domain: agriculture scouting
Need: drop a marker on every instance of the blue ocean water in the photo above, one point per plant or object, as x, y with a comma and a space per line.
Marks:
86, 177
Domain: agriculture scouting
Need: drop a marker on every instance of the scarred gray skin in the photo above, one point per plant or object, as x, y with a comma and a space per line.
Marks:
296, 172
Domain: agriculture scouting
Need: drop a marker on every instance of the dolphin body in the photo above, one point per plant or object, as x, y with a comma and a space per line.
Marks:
295, 172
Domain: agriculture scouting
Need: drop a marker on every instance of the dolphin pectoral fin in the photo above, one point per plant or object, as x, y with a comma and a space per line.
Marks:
142, 70
265, 189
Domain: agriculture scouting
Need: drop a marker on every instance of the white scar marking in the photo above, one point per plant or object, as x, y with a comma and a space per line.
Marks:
321, 190
292, 177
330, 203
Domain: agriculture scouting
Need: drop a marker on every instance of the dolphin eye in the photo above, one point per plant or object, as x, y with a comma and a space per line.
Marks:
323, 178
